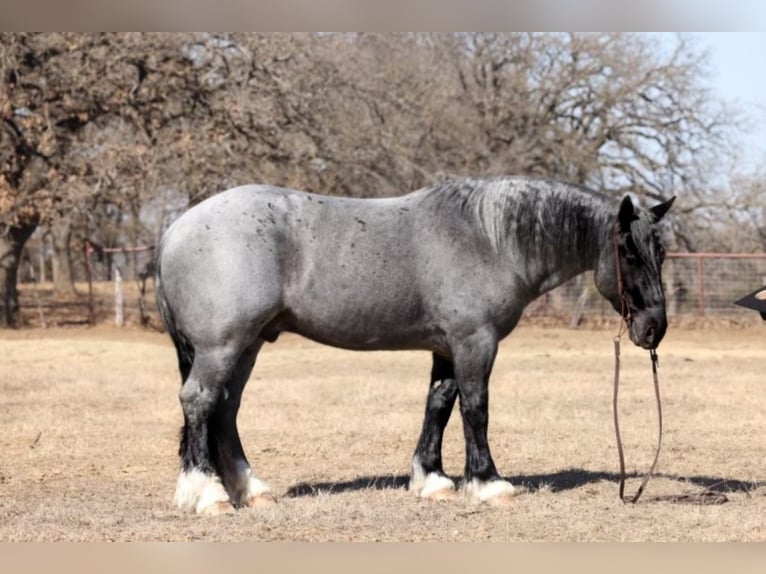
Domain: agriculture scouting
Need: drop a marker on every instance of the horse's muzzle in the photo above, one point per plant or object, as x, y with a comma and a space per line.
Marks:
647, 328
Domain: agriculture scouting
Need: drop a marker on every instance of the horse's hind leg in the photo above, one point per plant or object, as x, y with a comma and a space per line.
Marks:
199, 487
428, 479
243, 487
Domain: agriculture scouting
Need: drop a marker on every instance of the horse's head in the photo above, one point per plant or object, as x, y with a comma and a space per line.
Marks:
628, 272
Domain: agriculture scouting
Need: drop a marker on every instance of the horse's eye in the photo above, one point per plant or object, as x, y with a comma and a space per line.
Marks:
630, 251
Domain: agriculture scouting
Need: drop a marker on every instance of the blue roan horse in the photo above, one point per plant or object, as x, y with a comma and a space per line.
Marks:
447, 269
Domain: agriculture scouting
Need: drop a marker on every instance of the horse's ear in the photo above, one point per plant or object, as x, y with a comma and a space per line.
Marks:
627, 213
661, 209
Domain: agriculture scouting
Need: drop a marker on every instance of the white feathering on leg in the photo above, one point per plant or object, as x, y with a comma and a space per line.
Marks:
436, 483
426, 485
255, 486
196, 490
485, 491
417, 476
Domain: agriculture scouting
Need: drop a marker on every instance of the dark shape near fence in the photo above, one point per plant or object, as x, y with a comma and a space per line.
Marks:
755, 300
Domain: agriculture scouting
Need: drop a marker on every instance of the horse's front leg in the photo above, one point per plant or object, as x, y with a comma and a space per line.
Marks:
473, 358
428, 479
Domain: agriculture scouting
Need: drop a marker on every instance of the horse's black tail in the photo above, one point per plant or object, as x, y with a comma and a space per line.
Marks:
184, 348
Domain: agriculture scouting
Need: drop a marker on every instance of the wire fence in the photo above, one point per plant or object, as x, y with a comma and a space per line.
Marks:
697, 285
137, 260
111, 284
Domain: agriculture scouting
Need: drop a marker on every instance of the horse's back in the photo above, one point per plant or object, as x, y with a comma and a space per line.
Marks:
358, 273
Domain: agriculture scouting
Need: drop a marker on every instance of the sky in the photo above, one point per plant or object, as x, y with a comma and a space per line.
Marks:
738, 61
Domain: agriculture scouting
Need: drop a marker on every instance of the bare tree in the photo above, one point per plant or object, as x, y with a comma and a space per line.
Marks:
617, 111
101, 131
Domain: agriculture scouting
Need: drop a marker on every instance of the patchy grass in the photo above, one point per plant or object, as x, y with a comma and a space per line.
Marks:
90, 421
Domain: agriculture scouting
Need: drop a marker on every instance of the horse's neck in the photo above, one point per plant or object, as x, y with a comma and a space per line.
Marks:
566, 252
551, 278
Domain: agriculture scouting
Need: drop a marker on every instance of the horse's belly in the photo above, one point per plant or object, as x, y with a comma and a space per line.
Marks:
357, 330
374, 342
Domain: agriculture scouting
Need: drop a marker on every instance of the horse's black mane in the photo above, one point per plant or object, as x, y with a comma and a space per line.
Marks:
547, 217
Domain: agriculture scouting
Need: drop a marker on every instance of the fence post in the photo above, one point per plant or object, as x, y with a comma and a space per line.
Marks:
119, 307
700, 287
89, 273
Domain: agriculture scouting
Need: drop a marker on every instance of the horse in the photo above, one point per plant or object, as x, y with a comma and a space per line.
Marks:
447, 269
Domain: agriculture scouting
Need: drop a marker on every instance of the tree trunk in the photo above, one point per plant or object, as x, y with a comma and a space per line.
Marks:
11, 244
61, 232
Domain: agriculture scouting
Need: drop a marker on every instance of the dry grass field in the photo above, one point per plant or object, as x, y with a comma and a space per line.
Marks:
90, 419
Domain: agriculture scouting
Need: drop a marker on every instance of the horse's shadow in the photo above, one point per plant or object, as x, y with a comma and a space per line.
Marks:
555, 482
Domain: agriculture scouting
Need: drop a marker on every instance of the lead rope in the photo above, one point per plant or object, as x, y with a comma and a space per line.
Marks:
648, 475
709, 495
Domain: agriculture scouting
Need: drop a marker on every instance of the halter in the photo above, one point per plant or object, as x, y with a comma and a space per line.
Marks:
625, 311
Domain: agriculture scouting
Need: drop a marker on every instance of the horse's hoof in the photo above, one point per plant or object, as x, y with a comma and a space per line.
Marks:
433, 486
495, 492
261, 501
216, 508
442, 495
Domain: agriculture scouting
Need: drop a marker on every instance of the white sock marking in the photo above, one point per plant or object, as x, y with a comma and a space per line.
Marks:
484, 491
255, 486
425, 485
196, 490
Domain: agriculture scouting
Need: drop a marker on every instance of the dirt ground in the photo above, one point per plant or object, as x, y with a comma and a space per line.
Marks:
90, 421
